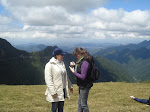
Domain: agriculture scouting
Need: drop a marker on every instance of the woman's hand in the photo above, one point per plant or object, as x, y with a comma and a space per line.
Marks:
72, 69
72, 64
72, 90
54, 96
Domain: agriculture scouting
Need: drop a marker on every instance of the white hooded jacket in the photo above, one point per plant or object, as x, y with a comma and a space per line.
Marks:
53, 79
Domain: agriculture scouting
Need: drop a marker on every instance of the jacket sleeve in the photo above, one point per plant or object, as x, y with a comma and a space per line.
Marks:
69, 83
49, 79
84, 70
67, 78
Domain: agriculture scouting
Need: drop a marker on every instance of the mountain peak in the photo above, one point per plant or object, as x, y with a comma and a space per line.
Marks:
6, 49
145, 42
4, 43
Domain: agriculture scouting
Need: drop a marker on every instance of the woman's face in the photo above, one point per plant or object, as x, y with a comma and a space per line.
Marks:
78, 56
59, 57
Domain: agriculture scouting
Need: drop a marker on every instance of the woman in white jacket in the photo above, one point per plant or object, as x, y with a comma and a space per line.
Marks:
57, 81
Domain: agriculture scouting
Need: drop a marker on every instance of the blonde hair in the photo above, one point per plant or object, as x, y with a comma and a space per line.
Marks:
83, 52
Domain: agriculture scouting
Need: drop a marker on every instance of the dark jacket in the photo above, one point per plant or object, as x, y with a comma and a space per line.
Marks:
87, 81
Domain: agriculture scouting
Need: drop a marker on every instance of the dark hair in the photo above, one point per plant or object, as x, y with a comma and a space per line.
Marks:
55, 57
84, 52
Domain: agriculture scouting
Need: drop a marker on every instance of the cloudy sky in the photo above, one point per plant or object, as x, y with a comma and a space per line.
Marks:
60, 21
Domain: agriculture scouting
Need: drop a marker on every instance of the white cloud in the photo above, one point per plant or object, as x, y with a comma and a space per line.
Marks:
4, 20
99, 35
76, 19
26, 27
137, 17
40, 16
43, 35
108, 15
73, 5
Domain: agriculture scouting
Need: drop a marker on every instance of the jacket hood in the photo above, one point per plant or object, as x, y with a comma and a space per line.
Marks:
55, 61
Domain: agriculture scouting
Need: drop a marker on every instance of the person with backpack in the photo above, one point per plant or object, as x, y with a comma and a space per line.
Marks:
82, 72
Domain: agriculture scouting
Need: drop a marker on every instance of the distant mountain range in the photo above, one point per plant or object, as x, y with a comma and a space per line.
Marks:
31, 47
135, 58
91, 47
21, 67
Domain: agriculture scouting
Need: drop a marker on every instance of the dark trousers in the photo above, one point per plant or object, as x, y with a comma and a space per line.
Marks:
57, 105
82, 100
141, 100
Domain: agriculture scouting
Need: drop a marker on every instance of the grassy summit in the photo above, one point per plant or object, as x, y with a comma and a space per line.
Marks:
103, 97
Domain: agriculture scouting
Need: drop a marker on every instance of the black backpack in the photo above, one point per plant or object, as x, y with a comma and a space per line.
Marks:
94, 71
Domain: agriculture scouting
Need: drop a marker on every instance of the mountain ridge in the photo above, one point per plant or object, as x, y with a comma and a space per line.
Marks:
21, 67
135, 58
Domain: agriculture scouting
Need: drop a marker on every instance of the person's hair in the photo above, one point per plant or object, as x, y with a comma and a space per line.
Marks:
84, 52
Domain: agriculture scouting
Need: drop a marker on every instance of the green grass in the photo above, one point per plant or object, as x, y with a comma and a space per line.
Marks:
103, 97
